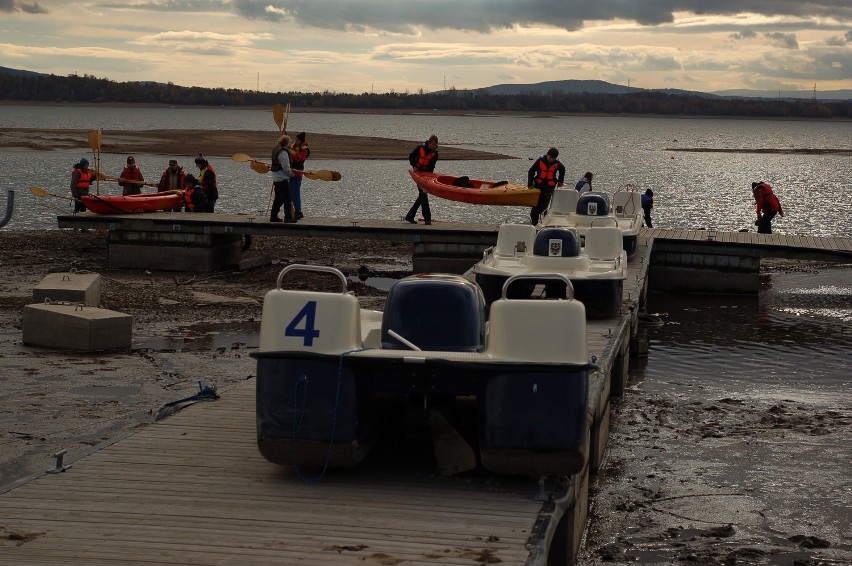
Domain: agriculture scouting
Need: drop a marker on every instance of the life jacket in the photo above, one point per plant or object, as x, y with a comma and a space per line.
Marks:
164, 184
276, 165
425, 158
195, 199
85, 179
546, 173
297, 160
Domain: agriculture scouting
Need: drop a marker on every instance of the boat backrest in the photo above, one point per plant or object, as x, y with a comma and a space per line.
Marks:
557, 242
538, 330
309, 321
593, 204
564, 201
604, 242
627, 202
515, 238
435, 313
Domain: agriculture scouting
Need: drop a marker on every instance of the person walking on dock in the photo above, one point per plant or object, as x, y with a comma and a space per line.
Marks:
423, 158
647, 201
281, 175
767, 205
546, 174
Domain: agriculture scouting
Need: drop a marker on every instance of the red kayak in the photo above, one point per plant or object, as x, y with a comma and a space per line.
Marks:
475, 191
145, 202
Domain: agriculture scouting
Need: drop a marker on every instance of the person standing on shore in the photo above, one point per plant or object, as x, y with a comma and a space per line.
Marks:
298, 154
647, 201
131, 178
194, 197
81, 180
767, 205
546, 174
423, 158
172, 178
282, 173
207, 178
584, 185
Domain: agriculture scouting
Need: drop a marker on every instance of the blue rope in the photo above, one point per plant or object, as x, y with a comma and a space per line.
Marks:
298, 414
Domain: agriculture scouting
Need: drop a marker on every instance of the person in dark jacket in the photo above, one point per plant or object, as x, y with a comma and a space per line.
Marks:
423, 158
647, 201
299, 152
131, 179
282, 174
207, 179
546, 174
194, 196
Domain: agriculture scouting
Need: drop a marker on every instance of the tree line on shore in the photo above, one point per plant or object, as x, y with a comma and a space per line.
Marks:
87, 88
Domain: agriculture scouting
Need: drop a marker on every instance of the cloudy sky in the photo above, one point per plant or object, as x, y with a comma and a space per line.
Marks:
404, 46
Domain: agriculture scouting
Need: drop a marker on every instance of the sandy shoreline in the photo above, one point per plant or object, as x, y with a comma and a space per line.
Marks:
223, 143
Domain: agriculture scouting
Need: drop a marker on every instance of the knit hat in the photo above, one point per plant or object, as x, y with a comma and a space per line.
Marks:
300, 136
172, 161
200, 159
131, 159
84, 161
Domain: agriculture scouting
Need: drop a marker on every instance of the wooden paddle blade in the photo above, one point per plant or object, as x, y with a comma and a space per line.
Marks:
39, 192
95, 140
241, 157
278, 115
322, 175
259, 166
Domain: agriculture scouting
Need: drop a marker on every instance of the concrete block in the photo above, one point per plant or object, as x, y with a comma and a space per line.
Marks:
76, 327
69, 287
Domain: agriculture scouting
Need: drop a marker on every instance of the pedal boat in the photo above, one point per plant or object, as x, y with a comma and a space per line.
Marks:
596, 270
570, 209
330, 374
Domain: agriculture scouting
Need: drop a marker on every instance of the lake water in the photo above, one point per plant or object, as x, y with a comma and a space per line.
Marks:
692, 190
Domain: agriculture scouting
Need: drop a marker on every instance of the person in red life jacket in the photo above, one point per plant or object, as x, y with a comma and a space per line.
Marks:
194, 197
299, 152
546, 174
131, 179
81, 180
767, 205
423, 158
282, 176
207, 179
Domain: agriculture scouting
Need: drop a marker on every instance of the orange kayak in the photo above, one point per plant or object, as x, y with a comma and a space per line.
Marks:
475, 191
145, 202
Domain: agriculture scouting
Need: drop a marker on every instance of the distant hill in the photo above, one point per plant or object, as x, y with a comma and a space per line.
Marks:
603, 87
21, 72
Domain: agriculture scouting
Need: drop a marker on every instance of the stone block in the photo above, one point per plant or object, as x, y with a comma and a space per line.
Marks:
69, 287
76, 327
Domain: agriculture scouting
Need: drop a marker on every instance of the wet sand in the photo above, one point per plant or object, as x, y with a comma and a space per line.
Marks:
224, 143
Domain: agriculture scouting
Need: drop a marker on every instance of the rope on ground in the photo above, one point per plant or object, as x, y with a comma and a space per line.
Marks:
205, 393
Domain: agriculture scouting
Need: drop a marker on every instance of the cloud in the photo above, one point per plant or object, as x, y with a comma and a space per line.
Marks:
783, 40
14, 6
849, 36
744, 34
486, 16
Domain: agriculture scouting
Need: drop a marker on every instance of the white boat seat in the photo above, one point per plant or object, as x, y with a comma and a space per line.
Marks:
627, 203
564, 201
514, 239
309, 321
603, 242
537, 330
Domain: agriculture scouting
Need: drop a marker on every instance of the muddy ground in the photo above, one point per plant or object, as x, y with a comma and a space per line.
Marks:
680, 484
